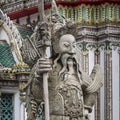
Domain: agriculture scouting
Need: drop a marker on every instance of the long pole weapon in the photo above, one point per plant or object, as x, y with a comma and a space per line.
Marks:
45, 75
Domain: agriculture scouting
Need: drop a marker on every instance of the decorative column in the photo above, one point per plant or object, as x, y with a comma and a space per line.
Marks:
22, 111
80, 14
85, 62
17, 106
22, 78
97, 105
108, 85
85, 57
115, 84
22, 71
91, 65
102, 90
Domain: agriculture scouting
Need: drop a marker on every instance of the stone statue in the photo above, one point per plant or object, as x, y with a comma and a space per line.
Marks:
72, 93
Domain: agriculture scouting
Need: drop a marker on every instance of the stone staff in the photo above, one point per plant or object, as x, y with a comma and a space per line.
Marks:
45, 43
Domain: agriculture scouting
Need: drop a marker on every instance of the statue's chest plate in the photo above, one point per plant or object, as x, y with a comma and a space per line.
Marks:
73, 100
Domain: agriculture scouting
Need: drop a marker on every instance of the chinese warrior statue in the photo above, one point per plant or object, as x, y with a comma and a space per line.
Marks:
72, 93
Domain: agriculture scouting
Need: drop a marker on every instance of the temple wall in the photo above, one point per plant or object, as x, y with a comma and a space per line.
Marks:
108, 107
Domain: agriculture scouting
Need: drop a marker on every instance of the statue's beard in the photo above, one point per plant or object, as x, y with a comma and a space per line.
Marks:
64, 59
66, 56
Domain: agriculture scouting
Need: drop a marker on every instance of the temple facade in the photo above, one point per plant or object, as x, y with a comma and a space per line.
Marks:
98, 38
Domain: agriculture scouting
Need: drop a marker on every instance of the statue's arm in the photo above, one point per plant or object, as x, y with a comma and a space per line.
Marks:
97, 80
34, 88
42, 65
91, 85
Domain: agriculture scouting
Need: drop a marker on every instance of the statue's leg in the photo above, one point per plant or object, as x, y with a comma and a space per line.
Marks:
30, 108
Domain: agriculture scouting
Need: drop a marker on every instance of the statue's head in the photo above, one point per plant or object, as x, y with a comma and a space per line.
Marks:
64, 43
55, 18
41, 27
64, 38
66, 47
67, 44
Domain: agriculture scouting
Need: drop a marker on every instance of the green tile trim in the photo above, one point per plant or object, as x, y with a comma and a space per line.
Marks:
24, 31
6, 57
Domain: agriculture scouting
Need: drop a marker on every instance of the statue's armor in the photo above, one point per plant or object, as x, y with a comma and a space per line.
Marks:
66, 96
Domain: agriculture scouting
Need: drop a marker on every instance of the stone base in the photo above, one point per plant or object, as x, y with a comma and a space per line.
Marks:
55, 117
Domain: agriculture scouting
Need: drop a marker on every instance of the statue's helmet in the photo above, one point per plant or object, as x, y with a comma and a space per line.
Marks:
64, 38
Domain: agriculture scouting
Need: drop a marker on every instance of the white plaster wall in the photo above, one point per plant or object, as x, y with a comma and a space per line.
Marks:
115, 84
34, 17
17, 106
91, 65
14, 21
22, 21
102, 88
22, 111
3, 35
91, 60
25, 115
15, 57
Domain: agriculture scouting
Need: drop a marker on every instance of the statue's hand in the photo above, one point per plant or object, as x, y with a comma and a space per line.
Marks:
44, 65
95, 70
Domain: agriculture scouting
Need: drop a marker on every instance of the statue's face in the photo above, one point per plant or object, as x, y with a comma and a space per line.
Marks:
42, 27
67, 44
54, 18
